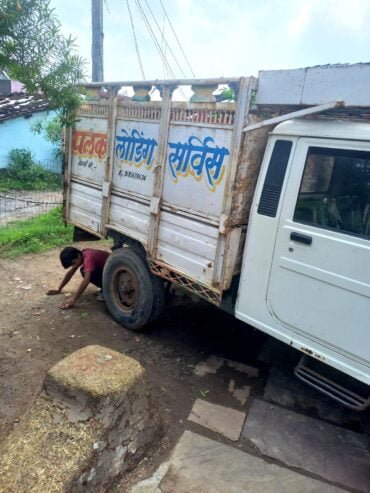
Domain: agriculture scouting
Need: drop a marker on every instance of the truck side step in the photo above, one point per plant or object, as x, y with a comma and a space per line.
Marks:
329, 387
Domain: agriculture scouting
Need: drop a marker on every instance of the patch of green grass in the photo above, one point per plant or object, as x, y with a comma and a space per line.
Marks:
34, 235
36, 178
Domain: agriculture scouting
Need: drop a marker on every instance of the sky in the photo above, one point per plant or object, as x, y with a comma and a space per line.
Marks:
223, 38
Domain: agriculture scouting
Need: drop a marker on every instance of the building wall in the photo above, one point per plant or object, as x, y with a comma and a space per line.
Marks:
17, 86
16, 133
5, 87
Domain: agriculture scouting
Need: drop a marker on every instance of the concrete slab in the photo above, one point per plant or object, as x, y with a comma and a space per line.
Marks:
336, 454
285, 389
210, 365
214, 363
240, 393
201, 465
224, 420
249, 371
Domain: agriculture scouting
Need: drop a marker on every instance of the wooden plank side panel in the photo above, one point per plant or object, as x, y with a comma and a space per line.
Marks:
188, 245
130, 218
85, 206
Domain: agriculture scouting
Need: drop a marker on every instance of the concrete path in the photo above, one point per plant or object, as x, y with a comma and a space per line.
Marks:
201, 465
310, 454
331, 452
224, 420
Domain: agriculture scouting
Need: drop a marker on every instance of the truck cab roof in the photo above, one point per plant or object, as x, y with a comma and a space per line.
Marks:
324, 129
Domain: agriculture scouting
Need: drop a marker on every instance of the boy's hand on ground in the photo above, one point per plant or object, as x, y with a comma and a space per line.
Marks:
67, 304
54, 291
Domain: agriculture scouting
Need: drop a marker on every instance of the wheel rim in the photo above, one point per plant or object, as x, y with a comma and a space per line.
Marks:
126, 290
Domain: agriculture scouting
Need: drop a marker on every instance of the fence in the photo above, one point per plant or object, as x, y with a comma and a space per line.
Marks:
29, 192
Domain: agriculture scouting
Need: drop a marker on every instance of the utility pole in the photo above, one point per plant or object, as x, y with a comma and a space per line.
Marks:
97, 41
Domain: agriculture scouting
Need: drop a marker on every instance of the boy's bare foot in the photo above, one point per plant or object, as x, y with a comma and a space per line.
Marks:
100, 296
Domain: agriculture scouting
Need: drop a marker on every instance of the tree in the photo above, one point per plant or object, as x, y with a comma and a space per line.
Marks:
33, 51
51, 129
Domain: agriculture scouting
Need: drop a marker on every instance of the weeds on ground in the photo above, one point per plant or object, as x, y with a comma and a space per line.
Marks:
23, 173
41, 180
34, 235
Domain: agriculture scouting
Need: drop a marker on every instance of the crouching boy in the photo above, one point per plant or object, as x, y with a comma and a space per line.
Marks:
91, 264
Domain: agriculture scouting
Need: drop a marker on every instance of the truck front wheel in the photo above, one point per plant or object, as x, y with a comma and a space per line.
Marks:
128, 288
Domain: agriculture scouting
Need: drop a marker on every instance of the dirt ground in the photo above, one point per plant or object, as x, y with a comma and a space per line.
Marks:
35, 334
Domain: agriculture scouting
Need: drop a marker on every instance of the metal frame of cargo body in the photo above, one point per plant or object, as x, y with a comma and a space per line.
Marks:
202, 111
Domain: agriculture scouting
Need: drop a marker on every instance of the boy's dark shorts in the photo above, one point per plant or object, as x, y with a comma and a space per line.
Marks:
96, 276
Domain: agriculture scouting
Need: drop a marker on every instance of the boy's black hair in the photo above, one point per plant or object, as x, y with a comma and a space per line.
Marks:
68, 255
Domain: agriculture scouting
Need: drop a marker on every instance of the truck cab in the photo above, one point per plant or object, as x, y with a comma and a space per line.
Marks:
305, 277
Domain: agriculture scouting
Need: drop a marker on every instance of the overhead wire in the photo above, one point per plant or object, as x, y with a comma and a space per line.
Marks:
154, 38
135, 41
107, 6
157, 44
177, 39
164, 39
163, 47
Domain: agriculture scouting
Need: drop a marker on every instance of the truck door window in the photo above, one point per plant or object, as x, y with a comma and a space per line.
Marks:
335, 191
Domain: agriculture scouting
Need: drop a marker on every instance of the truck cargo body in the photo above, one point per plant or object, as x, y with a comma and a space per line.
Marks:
270, 220
163, 174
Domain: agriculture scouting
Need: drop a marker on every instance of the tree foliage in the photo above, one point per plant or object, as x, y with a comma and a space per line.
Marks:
227, 94
51, 129
34, 51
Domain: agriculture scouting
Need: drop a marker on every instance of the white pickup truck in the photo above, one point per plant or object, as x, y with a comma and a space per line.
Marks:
259, 204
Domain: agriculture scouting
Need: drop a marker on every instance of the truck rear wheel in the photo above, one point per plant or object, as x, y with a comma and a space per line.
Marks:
128, 288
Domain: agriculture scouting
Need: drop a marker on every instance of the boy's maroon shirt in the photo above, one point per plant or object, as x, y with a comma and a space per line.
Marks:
93, 259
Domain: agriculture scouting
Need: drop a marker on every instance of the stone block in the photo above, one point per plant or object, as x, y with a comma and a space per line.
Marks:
336, 454
201, 465
93, 420
224, 420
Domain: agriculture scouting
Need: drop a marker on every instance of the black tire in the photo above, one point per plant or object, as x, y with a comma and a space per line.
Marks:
128, 289
159, 296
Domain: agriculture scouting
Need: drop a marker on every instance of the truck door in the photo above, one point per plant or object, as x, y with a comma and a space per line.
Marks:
320, 276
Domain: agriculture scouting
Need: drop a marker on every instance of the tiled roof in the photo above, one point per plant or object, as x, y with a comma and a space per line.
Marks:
21, 104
